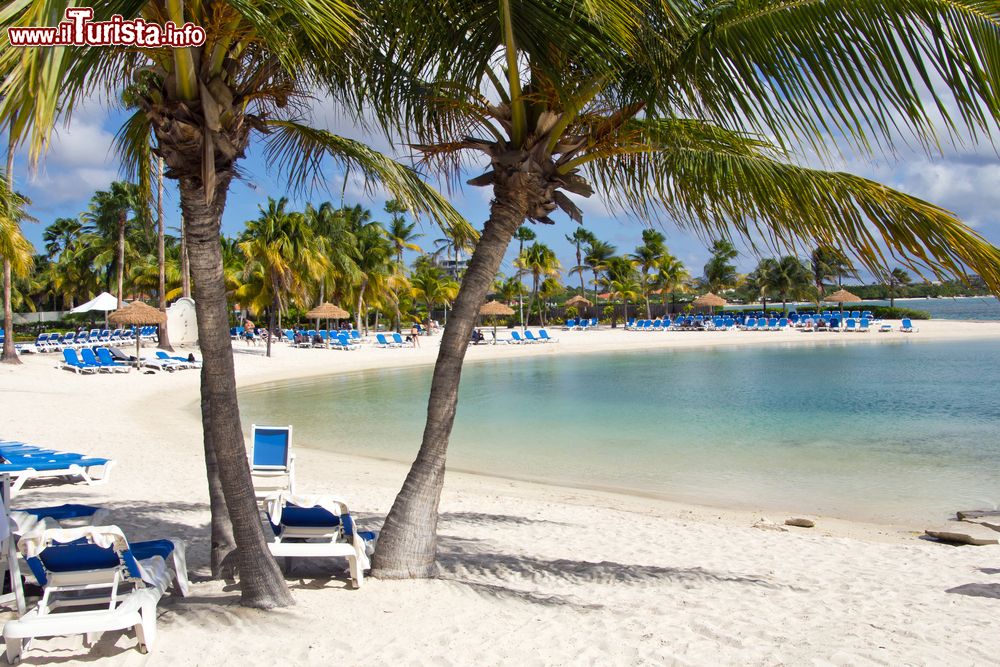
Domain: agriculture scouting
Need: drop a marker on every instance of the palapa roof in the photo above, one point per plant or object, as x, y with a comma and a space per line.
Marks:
842, 296
327, 311
579, 301
709, 299
495, 308
137, 313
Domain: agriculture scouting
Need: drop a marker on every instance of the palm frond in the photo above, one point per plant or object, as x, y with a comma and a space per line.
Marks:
715, 182
862, 70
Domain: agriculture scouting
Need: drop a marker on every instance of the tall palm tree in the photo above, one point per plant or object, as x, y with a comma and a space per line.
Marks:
333, 228
431, 285
897, 278
17, 254
281, 246
827, 263
762, 280
720, 272
598, 254
401, 232
115, 214
523, 235
671, 276
540, 261
790, 279
375, 262
60, 235
561, 95
580, 237
205, 103
647, 257
548, 290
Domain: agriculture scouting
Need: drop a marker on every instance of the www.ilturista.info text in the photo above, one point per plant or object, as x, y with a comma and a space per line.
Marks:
79, 30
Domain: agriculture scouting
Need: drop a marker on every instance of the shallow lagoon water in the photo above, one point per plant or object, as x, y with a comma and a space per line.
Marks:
891, 432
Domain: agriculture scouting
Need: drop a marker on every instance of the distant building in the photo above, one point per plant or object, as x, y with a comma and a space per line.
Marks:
454, 268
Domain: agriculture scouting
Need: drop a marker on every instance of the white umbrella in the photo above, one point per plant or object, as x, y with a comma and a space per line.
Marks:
102, 301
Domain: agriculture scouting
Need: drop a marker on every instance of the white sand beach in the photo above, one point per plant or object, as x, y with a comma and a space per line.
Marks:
530, 574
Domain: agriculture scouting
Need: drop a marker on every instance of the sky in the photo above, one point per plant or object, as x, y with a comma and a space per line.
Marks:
963, 179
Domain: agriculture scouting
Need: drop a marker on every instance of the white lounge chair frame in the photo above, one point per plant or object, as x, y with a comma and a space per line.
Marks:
323, 542
134, 608
87, 473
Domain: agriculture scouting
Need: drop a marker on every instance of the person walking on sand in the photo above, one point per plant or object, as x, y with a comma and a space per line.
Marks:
415, 334
248, 330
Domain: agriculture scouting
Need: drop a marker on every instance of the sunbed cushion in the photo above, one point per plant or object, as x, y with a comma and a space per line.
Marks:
308, 517
150, 548
61, 512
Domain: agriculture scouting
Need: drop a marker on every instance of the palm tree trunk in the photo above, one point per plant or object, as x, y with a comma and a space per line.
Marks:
185, 266
121, 256
361, 300
407, 546
9, 355
261, 582
163, 336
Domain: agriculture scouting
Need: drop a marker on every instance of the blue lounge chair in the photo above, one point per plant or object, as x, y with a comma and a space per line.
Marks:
91, 359
71, 362
95, 566
272, 463
318, 528
530, 337
182, 362
570, 324
345, 341
23, 466
398, 340
383, 342
543, 336
864, 325
907, 327
851, 325
516, 339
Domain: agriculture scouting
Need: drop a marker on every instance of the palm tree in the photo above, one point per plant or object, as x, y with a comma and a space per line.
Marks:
281, 246
621, 280
578, 238
430, 284
16, 252
671, 276
400, 232
560, 95
522, 236
761, 280
204, 104
333, 228
647, 257
540, 261
109, 216
827, 263
720, 273
61, 235
790, 279
598, 254
897, 277
548, 290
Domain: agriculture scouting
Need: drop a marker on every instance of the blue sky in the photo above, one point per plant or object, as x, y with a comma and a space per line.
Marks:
965, 180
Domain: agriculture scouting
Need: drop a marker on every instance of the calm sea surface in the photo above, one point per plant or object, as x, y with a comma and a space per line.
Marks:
890, 432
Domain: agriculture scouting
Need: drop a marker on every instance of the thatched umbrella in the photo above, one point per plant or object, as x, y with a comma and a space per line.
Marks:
842, 297
710, 300
137, 314
327, 311
495, 309
579, 301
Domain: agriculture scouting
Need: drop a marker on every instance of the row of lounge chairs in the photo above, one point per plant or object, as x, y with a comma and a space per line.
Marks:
338, 340
54, 342
22, 462
581, 324
528, 338
112, 360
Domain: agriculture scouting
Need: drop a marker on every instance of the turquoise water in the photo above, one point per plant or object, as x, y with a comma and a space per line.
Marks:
889, 432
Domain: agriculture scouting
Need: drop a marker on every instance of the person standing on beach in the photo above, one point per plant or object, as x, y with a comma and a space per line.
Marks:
248, 329
415, 334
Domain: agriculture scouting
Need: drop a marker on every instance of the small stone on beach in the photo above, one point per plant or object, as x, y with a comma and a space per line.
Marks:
956, 532
800, 522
